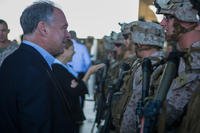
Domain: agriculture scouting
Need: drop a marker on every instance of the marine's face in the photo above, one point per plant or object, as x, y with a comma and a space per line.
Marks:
3, 33
127, 40
141, 50
139, 53
168, 24
57, 32
118, 48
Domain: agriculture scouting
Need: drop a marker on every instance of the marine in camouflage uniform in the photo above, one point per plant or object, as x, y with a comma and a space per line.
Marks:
4, 52
180, 23
109, 48
126, 31
113, 72
149, 40
111, 79
101, 77
121, 97
6, 46
192, 119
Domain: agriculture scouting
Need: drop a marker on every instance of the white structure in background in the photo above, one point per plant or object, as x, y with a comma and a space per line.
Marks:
91, 81
94, 50
87, 18
159, 16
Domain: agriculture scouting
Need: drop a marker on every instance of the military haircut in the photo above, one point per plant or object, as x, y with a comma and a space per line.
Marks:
3, 22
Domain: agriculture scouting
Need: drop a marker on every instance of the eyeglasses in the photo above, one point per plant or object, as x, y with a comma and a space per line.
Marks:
168, 17
126, 36
118, 45
137, 45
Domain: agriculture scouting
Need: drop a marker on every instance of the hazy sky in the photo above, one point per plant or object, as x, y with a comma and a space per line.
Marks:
88, 17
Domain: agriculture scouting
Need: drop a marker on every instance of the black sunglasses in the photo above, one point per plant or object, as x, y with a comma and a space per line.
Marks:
168, 17
126, 36
118, 44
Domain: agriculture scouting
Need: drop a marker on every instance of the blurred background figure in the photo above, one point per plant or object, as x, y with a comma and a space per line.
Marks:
126, 32
81, 59
6, 46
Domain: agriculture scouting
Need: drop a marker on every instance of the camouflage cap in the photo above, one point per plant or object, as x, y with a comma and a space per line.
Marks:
126, 27
117, 37
181, 9
108, 43
147, 33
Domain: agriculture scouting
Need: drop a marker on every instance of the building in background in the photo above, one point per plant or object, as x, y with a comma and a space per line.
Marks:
145, 12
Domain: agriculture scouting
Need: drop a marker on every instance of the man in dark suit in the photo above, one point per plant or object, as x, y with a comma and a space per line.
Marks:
31, 100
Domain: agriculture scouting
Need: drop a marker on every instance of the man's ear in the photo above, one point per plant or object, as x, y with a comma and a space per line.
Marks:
42, 28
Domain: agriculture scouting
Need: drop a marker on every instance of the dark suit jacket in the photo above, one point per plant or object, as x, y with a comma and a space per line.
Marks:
29, 100
73, 94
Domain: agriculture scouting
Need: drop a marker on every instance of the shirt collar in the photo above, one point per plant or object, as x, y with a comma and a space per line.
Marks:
46, 55
66, 67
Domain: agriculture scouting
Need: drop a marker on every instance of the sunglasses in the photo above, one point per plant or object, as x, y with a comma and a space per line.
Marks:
118, 45
168, 17
126, 36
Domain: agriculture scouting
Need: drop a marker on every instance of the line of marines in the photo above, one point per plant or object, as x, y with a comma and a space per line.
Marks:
151, 82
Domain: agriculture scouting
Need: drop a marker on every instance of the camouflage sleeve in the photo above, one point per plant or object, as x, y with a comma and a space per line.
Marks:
10, 49
177, 99
192, 119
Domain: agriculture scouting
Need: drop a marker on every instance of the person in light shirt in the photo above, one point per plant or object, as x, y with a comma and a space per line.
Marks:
81, 60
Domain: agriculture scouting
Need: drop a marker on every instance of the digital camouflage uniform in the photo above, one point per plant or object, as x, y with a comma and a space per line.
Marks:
183, 87
188, 81
121, 97
101, 79
113, 71
143, 33
4, 52
129, 118
192, 119
111, 62
111, 79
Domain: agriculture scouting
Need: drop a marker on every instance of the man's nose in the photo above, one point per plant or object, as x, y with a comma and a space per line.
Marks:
68, 35
163, 22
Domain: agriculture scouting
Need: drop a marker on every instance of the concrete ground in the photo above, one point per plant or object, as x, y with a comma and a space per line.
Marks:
88, 126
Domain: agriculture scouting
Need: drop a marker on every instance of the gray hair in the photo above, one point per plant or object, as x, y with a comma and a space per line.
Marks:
33, 14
